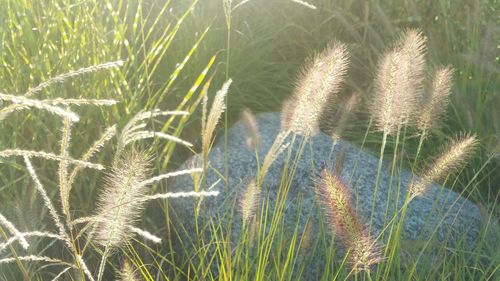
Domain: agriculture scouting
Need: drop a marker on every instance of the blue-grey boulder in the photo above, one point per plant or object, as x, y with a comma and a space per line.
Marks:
441, 215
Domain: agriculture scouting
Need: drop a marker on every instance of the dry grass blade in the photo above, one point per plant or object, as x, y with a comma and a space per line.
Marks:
24, 103
145, 234
63, 166
305, 4
46, 199
61, 274
48, 156
106, 136
4, 112
199, 194
61, 78
5, 222
36, 258
320, 80
84, 267
451, 159
142, 135
78, 102
169, 175
133, 130
13, 239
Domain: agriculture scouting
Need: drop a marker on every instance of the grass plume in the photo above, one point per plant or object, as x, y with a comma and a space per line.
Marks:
213, 117
120, 204
249, 201
343, 220
319, 81
453, 157
399, 83
435, 103
127, 272
252, 129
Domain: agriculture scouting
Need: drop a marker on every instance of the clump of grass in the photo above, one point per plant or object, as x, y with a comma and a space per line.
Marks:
335, 199
319, 81
123, 197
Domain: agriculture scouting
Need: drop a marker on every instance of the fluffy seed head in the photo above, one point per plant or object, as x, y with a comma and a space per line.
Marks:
252, 129
127, 272
319, 81
451, 159
364, 253
343, 220
276, 149
340, 122
249, 201
120, 204
218, 107
435, 103
399, 83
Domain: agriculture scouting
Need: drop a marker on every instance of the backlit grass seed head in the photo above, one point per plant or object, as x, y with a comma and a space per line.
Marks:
343, 220
120, 203
275, 150
320, 80
218, 107
434, 104
364, 253
399, 83
127, 272
340, 123
251, 128
249, 201
451, 159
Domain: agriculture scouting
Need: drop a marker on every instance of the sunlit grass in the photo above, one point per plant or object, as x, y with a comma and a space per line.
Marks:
177, 52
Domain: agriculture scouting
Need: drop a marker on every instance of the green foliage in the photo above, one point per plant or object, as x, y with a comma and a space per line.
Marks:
174, 51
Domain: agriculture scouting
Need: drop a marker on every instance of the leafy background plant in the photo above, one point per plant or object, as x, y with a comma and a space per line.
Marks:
174, 50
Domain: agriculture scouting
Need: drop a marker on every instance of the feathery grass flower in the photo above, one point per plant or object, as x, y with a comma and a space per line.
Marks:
343, 220
127, 272
252, 129
320, 80
340, 122
454, 156
399, 83
249, 201
120, 204
212, 120
435, 103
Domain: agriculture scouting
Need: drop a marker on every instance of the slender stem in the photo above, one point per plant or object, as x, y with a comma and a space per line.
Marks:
379, 170
394, 159
103, 263
422, 138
